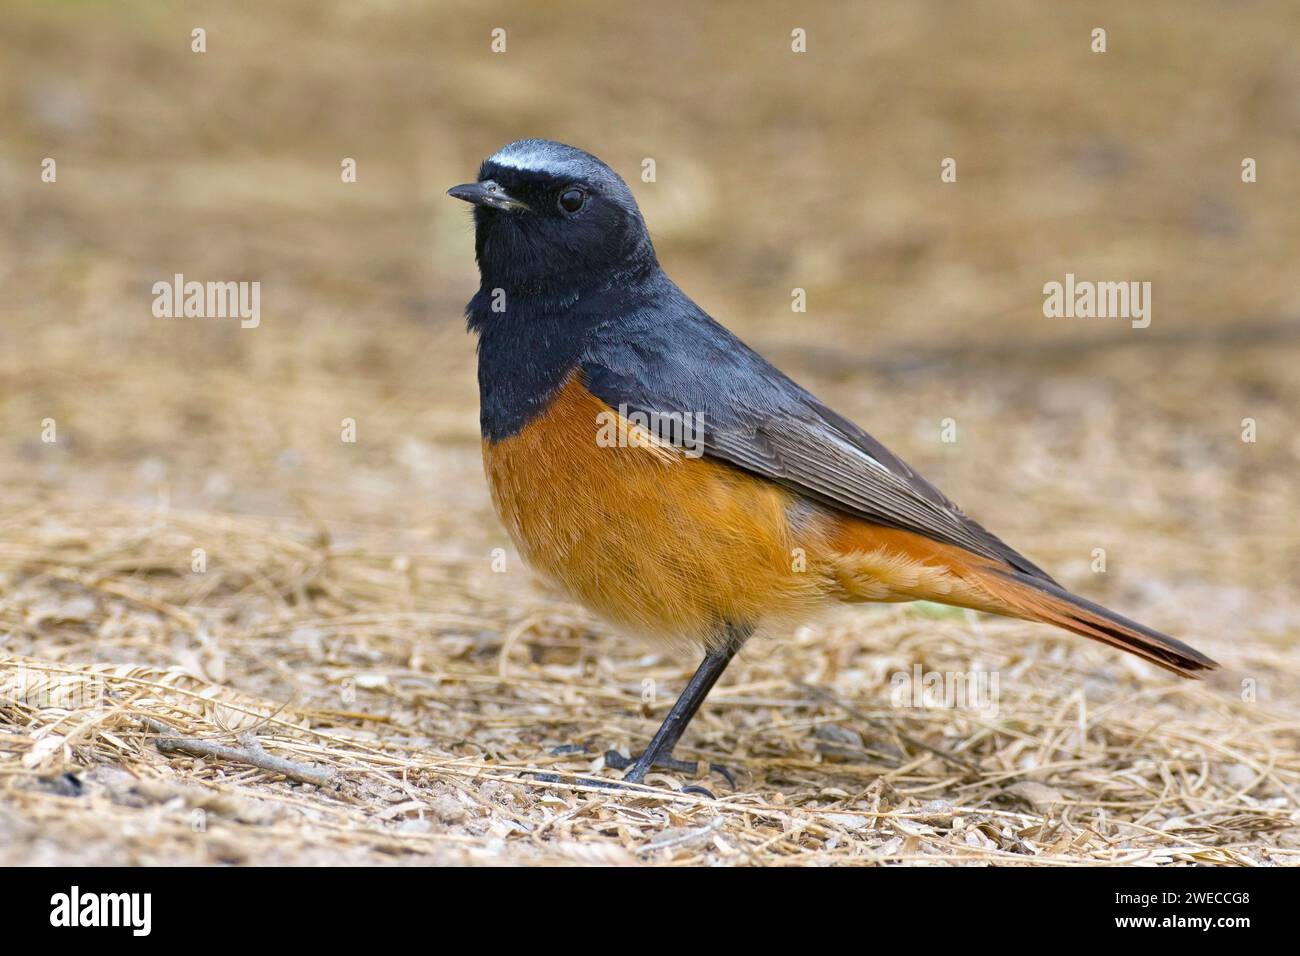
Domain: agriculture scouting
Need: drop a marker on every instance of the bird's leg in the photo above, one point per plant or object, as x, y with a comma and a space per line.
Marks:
660, 750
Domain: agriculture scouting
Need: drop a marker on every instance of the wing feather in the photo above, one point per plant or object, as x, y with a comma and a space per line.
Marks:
813, 458
669, 357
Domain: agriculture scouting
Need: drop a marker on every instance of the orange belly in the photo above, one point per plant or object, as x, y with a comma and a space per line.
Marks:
678, 547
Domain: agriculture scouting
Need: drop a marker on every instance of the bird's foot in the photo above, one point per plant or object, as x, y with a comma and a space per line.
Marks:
640, 767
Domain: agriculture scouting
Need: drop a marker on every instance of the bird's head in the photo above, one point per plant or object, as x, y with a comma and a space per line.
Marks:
551, 219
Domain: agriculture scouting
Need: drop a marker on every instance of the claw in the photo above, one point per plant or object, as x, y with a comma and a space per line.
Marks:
724, 773
702, 791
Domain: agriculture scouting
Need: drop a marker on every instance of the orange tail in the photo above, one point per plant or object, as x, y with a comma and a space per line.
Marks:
874, 563
1038, 600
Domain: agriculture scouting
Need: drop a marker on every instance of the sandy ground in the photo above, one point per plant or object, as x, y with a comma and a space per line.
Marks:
197, 553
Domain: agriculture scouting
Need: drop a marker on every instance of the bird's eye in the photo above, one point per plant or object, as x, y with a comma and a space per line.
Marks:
571, 199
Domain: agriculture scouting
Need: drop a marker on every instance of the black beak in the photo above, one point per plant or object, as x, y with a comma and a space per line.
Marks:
487, 193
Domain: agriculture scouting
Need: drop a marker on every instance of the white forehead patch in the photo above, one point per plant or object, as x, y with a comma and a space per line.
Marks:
532, 157
553, 159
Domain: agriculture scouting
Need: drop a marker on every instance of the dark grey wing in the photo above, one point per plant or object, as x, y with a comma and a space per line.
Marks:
670, 357
824, 457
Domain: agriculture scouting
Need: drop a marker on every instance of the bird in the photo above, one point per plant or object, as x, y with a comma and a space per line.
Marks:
673, 481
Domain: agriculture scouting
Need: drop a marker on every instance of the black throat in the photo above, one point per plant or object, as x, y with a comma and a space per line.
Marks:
531, 342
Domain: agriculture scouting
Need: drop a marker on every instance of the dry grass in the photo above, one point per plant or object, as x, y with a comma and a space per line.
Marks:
349, 618
433, 705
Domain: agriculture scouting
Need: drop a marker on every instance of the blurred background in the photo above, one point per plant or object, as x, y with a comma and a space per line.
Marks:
774, 170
